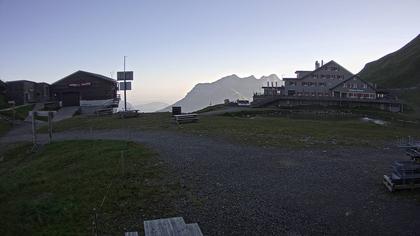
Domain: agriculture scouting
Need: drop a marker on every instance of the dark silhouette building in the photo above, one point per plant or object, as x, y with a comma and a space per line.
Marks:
84, 89
24, 91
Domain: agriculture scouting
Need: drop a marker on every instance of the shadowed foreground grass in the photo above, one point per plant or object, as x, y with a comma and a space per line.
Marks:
258, 129
21, 112
4, 127
54, 191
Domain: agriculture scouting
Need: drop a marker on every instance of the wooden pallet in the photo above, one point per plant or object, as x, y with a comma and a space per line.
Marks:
387, 181
171, 227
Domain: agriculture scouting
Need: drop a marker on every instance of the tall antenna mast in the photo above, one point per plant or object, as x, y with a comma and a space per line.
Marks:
125, 89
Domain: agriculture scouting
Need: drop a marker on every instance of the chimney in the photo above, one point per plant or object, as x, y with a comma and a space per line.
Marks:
322, 62
316, 65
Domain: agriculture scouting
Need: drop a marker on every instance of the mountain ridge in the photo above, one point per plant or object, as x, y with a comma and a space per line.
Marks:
398, 72
398, 69
230, 87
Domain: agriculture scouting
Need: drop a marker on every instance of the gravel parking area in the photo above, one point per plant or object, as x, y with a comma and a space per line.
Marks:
246, 190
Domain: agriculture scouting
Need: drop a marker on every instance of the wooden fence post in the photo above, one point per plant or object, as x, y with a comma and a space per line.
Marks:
34, 128
122, 163
50, 114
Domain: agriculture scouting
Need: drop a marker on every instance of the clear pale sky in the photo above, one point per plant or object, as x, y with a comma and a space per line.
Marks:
172, 45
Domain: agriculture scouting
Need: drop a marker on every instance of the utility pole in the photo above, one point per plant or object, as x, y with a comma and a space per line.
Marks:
125, 89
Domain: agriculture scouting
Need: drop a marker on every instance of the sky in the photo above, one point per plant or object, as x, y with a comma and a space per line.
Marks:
174, 44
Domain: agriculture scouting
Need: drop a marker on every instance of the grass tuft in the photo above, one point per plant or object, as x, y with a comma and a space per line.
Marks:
54, 192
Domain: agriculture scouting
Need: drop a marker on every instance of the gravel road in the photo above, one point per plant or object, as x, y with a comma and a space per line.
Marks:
247, 190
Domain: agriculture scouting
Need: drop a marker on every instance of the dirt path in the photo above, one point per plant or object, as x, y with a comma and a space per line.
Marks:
246, 190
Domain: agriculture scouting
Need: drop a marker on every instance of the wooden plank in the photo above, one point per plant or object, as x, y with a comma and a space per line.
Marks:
165, 227
392, 187
131, 234
193, 230
388, 183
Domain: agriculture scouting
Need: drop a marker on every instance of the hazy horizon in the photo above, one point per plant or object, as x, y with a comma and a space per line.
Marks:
171, 46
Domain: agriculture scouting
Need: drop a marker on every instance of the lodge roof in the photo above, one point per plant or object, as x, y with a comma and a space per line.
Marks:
21, 80
352, 77
88, 73
316, 70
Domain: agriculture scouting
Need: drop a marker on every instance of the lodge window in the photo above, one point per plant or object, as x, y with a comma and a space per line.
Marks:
322, 84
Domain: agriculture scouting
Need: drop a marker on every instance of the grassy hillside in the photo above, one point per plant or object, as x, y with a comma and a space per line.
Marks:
400, 69
54, 191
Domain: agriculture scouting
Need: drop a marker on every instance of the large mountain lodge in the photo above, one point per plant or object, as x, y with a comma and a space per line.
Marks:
329, 84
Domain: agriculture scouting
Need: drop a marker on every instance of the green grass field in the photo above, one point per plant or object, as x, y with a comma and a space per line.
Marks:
259, 129
54, 191
4, 127
21, 112
3, 101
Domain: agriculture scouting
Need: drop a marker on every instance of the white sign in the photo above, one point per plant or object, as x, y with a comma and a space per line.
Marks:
81, 84
128, 75
126, 87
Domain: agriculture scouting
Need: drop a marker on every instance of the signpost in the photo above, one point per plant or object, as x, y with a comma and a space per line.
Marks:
125, 75
125, 85
128, 75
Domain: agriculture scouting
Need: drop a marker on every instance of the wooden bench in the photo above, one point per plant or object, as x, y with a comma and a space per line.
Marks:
185, 118
128, 114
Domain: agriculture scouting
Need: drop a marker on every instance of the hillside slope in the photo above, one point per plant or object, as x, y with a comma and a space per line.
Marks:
230, 87
400, 69
152, 106
3, 101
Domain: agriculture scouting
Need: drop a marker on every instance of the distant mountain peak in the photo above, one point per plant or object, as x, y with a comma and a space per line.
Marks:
270, 77
232, 76
230, 87
250, 77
